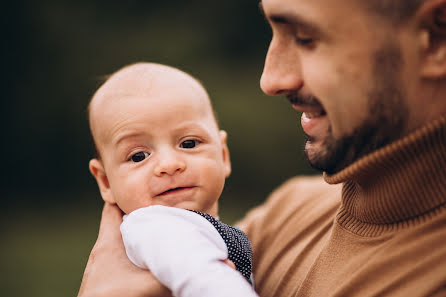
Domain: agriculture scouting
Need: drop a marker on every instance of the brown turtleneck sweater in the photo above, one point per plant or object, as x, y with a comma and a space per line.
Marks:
380, 231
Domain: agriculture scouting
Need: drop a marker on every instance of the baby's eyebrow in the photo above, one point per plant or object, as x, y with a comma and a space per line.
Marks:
125, 136
192, 126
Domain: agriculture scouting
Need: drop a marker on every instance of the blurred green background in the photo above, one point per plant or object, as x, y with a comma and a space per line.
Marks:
56, 53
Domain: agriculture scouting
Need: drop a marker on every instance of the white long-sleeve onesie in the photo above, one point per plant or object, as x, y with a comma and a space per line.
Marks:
183, 251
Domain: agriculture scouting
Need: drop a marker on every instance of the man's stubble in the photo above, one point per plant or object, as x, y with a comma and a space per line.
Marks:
385, 122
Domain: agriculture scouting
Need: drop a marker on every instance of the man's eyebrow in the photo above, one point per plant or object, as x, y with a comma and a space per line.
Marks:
289, 18
261, 8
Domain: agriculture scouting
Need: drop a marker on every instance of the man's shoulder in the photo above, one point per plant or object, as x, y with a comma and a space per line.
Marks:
305, 190
306, 198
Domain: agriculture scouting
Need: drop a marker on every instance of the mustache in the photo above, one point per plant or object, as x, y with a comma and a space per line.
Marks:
303, 100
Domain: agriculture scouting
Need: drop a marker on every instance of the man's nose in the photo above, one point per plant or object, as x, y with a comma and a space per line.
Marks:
169, 163
282, 70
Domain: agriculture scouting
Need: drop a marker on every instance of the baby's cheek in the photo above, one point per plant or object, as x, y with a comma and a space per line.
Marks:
131, 198
132, 204
214, 180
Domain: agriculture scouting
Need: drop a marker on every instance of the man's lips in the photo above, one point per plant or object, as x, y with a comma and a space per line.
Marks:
306, 103
310, 111
313, 119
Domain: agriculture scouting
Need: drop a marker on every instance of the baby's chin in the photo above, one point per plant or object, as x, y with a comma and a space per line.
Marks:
191, 205
176, 201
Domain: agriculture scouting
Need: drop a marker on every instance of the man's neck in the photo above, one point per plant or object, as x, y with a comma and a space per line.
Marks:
399, 182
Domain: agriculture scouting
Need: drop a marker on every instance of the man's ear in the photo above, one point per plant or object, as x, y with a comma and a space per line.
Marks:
225, 151
97, 169
433, 16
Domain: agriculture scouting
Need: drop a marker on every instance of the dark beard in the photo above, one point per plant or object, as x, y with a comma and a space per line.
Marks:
387, 119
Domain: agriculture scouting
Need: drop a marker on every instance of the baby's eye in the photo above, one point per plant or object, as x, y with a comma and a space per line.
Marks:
188, 144
139, 156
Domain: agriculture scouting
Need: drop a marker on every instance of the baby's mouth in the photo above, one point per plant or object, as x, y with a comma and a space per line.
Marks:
174, 190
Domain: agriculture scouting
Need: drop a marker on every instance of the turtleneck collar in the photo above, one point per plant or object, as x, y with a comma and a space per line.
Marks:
396, 185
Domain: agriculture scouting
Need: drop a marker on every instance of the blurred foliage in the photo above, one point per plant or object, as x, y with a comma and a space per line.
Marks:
57, 52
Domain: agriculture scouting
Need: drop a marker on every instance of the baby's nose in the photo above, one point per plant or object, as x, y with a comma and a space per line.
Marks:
170, 164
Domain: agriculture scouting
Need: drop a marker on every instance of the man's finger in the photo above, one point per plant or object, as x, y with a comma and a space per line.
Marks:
110, 221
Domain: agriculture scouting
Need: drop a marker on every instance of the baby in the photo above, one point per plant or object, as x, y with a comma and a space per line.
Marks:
163, 160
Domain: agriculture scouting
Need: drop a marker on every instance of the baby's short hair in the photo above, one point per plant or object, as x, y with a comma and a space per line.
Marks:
143, 66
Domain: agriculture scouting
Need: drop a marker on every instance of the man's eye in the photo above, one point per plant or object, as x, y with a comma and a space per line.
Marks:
139, 156
304, 41
188, 144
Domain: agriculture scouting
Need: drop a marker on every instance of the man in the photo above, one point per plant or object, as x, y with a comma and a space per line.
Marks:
370, 79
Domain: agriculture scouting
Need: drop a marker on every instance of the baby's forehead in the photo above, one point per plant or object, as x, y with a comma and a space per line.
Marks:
149, 83
145, 79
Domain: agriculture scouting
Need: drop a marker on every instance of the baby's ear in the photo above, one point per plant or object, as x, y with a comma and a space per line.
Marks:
97, 169
225, 151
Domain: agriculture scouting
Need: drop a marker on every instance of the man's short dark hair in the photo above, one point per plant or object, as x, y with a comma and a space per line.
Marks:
396, 11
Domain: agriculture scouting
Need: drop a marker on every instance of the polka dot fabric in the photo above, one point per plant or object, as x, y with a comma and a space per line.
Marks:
239, 247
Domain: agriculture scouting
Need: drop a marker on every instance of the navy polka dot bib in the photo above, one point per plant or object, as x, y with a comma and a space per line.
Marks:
239, 247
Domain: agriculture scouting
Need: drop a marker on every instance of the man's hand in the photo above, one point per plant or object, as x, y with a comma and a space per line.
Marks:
109, 272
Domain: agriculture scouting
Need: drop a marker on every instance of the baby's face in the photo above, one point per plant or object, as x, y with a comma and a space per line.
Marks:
161, 149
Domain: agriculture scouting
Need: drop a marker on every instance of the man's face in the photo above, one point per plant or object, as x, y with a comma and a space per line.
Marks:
163, 148
342, 69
